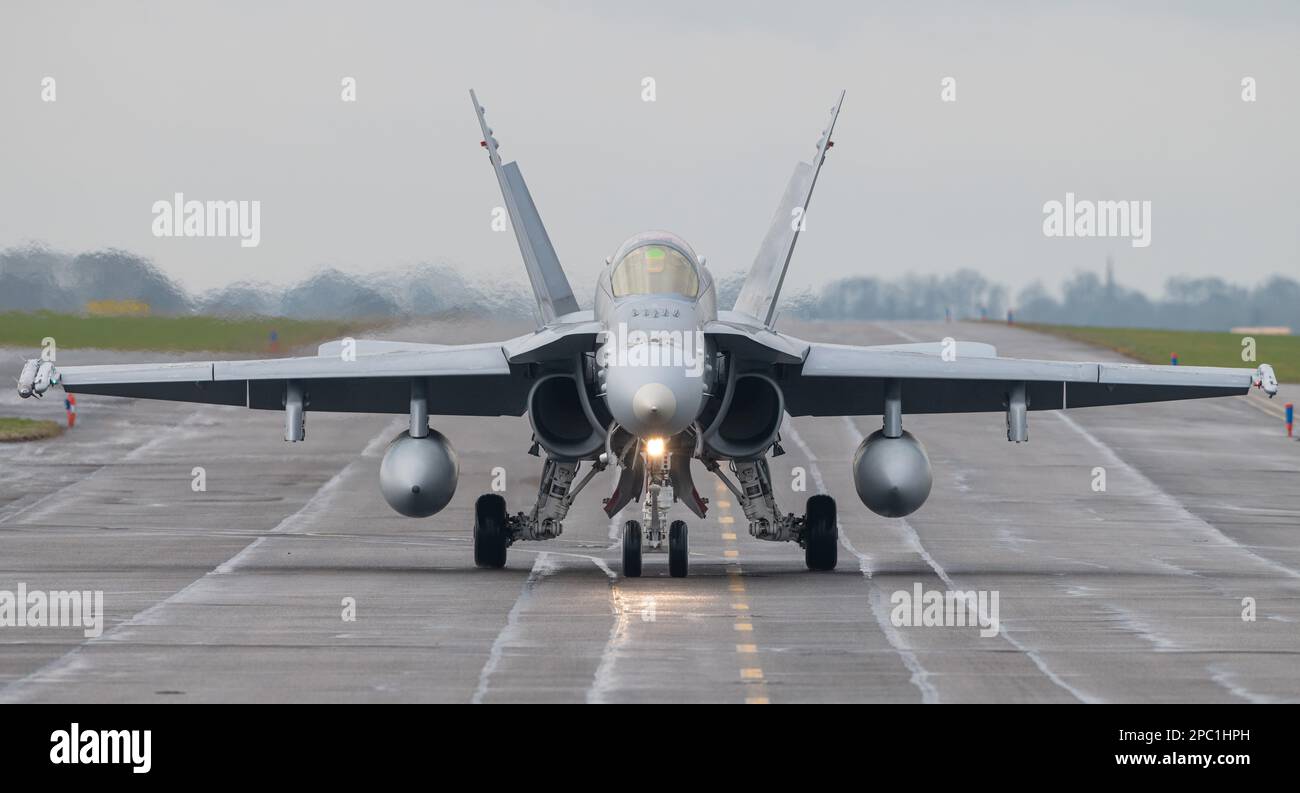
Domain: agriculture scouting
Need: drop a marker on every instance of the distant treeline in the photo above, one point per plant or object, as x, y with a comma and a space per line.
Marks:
1085, 299
36, 278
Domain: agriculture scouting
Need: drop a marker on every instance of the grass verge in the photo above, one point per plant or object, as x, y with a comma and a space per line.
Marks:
169, 334
13, 430
1194, 348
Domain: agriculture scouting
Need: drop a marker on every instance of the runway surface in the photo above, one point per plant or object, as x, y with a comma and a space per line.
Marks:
237, 593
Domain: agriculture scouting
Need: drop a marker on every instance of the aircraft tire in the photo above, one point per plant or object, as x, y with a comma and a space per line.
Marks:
678, 557
821, 534
632, 549
491, 534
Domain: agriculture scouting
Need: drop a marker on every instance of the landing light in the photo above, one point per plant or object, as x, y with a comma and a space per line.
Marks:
654, 447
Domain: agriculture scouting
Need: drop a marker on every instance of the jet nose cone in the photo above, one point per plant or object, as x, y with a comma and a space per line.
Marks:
653, 400
654, 405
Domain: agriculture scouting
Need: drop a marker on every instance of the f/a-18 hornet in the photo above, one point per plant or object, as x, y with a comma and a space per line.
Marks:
653, 377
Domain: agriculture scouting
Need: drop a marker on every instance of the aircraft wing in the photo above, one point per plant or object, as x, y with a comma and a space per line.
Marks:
845, 380
467, 380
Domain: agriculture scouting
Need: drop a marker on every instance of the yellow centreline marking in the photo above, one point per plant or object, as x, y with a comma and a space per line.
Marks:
753, 675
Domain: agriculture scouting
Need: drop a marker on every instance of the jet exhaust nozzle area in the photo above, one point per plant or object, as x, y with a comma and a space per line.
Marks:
892, 475
418, 475
749, 419
563, 419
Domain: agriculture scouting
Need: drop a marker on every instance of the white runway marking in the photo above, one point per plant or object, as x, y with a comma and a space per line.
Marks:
543, 565
1228, 680
603, 681
38, 508
319, 503
920, 676
380, 442
66, 662
914, 539
183, 431
1155, 494
897, 332
1160, 498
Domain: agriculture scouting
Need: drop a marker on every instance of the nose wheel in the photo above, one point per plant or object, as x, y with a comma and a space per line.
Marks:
632, 549
678, 557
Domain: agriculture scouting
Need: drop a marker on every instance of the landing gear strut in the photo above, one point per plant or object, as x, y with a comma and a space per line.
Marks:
816, 531
495, 530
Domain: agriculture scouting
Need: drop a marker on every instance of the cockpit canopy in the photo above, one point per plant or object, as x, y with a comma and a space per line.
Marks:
655, 268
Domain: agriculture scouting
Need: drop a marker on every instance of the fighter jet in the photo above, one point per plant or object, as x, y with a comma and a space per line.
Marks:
654, 378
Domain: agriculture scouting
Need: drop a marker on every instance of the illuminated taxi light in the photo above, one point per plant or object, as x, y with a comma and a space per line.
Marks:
654, 447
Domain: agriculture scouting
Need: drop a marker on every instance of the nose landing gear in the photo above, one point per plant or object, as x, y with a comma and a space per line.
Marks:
659, 496
678, 557
678, 550
632, 549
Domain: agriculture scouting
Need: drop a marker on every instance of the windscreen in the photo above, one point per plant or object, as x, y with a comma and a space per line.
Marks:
655, 270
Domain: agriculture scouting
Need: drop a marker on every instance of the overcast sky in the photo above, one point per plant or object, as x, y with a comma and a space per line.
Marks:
235, 100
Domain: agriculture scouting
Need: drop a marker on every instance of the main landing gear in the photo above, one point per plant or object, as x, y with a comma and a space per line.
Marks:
491, 531
821, 539
816, 531
657, 473
495, 530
